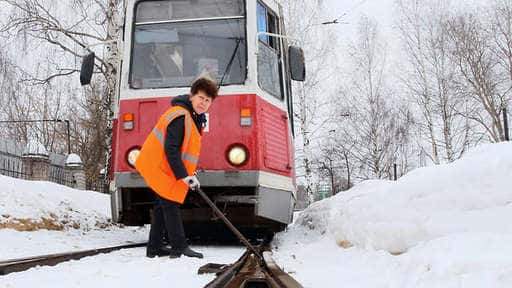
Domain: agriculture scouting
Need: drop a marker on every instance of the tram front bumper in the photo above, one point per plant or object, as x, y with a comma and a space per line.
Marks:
273, 198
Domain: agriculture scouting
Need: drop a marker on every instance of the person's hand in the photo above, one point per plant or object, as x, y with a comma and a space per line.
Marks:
192, 182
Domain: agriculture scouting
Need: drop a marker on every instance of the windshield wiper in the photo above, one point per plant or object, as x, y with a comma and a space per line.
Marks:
228, 67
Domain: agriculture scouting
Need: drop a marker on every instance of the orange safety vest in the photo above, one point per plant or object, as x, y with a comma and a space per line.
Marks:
152, 162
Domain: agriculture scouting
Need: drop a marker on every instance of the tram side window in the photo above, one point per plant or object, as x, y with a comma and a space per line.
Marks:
268, 52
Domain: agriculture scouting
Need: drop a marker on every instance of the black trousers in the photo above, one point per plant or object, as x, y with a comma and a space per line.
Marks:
166, 219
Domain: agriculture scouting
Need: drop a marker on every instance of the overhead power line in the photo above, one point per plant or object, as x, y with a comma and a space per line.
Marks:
351, 9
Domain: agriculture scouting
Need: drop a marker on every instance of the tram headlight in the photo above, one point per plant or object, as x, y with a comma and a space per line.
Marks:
237, 155
131, 157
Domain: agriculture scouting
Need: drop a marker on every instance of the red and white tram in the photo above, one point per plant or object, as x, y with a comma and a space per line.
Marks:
246, 164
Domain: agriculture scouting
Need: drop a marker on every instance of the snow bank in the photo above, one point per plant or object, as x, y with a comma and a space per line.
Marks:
442, 226
29, 205
471, 195
38, 217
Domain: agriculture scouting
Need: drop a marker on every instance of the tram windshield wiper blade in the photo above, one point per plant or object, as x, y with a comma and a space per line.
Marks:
228, 67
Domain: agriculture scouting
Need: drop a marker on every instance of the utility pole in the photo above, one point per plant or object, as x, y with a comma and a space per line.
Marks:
505, 124
69, 136
331, 132
332, 177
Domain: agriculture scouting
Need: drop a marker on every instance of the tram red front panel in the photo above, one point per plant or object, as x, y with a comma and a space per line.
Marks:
267, 139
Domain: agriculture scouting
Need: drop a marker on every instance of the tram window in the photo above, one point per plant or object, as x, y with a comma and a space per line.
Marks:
269, 77
268, 70
262, 21
172, 54
150, 11
267, 22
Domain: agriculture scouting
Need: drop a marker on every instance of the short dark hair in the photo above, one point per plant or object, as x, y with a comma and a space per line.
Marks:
206, 85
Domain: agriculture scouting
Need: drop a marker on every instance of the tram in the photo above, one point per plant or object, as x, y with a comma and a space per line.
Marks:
247, 163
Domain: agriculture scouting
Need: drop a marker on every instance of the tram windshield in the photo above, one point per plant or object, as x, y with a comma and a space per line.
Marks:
176, 41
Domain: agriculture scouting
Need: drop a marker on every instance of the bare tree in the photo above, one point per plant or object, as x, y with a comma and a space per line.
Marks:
18, 102
501, 30
304, 26
73, 28
431, 81
21, 101
481, 82
335, 163
403, 146
86, 139
370, 129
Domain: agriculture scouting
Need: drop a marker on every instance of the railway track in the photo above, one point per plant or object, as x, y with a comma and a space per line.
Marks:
249, 272
22, 264
255, 269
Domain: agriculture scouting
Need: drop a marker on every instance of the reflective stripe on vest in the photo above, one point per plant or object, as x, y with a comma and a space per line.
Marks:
170, 116
189, 158
160, 135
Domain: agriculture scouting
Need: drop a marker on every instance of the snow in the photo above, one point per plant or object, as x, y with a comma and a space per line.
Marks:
36, 199
87, 214
83, 216
439, 226
32, 243
73, 160
124, 268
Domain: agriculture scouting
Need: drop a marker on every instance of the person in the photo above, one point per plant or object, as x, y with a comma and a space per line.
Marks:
167, 162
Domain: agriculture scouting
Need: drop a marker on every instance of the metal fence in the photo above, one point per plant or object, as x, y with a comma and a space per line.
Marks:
58, 174
12, 165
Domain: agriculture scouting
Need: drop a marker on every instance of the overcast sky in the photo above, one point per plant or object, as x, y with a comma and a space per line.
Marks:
381, 10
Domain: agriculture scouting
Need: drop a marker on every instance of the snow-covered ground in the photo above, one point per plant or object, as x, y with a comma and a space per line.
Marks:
80, 220
43, 217
442, 226
124, 268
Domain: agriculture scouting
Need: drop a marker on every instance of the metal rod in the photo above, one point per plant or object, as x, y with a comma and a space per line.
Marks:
229, 224
69, 137
332, 178
505, 122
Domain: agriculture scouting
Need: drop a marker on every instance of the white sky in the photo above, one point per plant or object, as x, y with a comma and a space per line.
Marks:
380, 10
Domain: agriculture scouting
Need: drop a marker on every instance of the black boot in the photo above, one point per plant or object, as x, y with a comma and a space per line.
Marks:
186, 251
191, 253
162, 251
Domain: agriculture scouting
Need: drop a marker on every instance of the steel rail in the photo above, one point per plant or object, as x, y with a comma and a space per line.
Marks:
255, 268
229, 224
247, 272
22, 264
